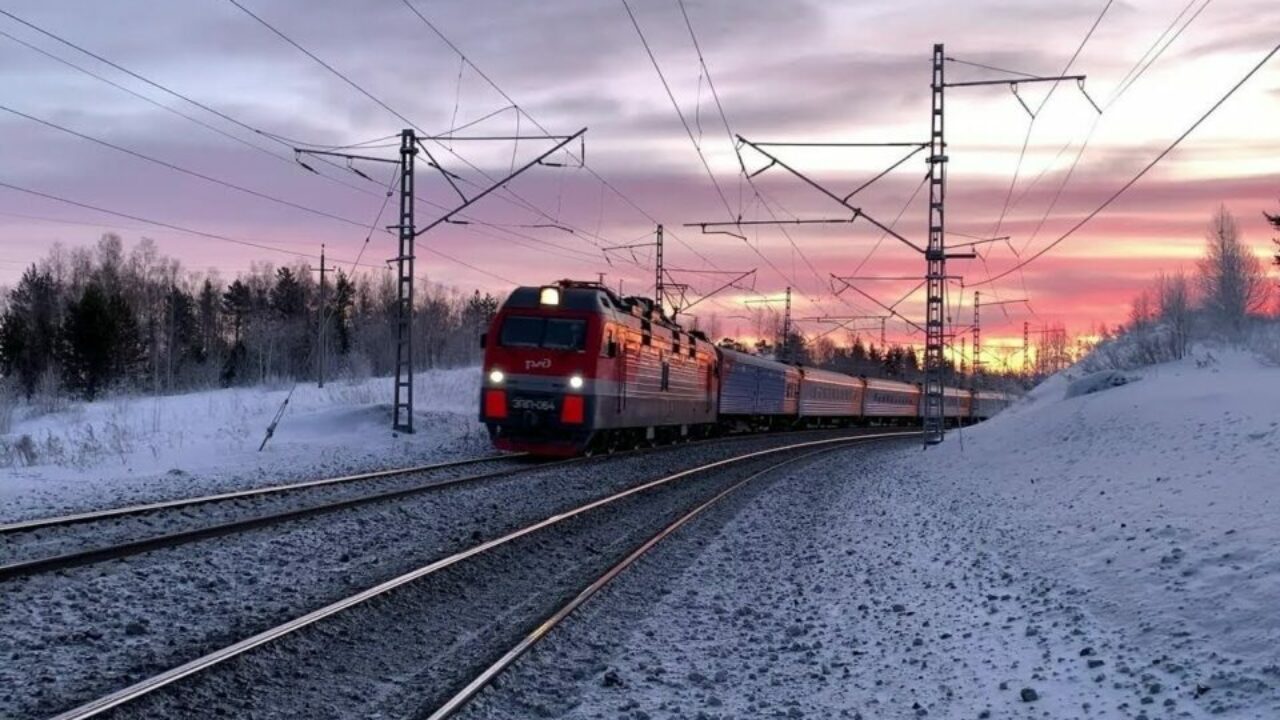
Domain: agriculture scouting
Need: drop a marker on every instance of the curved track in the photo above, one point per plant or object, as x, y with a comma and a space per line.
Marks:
109, 513
75, 558
497, 553
131, 530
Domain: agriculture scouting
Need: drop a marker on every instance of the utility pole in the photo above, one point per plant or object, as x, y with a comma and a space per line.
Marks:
320, 326
935, 259
659, 294
786, 329
407, 233
402, 413
664, 281
977, 331
782, 348
977, 335
1026, 348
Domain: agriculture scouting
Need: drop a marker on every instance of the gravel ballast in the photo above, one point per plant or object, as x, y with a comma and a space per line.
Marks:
81, 633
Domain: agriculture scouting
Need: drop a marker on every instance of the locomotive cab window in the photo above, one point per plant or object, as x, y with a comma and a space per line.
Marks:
565, 334
550, 333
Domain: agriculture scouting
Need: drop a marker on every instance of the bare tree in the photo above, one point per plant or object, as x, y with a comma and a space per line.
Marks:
1141, 312
1275, 259
1173, 294
1232, 279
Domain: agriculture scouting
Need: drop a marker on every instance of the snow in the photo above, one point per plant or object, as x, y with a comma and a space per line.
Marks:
1111, 554
132, 449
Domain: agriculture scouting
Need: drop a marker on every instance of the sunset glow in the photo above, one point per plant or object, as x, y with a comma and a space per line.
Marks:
785, 71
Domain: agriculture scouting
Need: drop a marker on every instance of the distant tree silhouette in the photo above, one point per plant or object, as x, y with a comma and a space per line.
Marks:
237, 303
29, 329
99, 342
1275, 258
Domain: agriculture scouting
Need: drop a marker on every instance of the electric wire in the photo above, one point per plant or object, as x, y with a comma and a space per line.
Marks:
505, 96
178, 168
158, 223
1147, 168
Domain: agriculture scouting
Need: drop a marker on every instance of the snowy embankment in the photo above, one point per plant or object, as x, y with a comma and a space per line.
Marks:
1105, 554
131, 449
1158, 502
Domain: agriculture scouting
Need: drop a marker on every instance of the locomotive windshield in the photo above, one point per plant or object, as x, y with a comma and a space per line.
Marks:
550, 333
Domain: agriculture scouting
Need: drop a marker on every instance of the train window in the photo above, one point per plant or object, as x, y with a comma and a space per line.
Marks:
565, 334
520, 331
550, 333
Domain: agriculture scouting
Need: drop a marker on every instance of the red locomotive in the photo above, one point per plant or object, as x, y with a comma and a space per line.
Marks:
572, 367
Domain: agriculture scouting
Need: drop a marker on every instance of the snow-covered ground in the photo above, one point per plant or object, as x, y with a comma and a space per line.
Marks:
1107, 554
130, 449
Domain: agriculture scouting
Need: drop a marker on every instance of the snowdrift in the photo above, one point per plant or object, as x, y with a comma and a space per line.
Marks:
1156, 494
130, 449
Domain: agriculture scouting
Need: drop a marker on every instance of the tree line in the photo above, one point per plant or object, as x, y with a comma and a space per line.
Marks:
85, 321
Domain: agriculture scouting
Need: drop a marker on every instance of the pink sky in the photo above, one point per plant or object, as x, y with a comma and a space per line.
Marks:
793, 70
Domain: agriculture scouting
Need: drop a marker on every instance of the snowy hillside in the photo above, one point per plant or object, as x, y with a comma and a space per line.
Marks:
1158, 501
127, 449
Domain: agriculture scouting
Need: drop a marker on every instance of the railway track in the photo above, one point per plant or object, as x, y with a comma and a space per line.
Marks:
18, 526
44, 545
601, 527
248, 519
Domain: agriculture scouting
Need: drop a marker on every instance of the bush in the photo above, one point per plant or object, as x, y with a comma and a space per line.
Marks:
25, 450
1264, 341
8, 404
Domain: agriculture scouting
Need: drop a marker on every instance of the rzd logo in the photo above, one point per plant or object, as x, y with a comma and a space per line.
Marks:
543, 364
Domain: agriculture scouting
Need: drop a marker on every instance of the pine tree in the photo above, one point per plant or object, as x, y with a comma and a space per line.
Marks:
288, 298
210, 340
237, 302
344, 295
29, 329
99, 342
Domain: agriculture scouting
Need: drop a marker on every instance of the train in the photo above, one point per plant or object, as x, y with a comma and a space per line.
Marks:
572, 368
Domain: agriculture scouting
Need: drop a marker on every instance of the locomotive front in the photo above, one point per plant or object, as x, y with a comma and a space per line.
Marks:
540, 365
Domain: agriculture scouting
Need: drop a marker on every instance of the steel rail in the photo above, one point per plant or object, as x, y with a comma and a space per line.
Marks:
37, 523
117, 551
126, 549
145, 687
463, 696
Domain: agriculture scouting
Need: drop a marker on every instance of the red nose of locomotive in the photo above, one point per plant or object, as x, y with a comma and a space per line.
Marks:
538, 388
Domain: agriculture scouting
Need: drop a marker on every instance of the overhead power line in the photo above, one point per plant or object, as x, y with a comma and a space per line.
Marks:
724, 119
604, 182
1147, 168
159, 223
679, 113
180, 169
516, 198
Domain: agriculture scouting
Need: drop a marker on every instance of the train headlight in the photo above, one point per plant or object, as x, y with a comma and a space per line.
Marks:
496, 377
549, 296
575, 382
